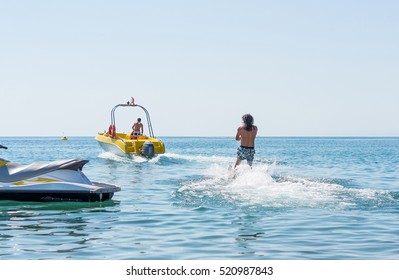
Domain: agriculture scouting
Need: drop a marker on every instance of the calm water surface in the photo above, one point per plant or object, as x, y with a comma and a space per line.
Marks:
305, 198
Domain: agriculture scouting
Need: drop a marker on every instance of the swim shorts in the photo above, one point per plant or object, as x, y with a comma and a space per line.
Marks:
246, 153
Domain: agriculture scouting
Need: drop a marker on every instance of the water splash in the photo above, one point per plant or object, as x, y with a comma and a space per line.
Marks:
257, 187
260, 187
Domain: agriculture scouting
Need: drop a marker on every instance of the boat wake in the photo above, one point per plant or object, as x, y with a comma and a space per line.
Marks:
258, 187
215, 184
135, 159
178, 158
167, 158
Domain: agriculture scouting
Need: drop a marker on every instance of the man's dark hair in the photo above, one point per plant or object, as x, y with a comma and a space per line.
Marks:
248, 121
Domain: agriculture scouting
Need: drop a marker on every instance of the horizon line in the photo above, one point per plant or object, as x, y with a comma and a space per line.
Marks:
232, 136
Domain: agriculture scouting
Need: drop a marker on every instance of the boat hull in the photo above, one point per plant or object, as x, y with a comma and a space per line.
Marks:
111, 148
123, 145
55, 181
43, 196
59, 191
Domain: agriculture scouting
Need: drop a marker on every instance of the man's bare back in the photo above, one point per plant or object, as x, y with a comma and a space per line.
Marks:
137, 126
247, 137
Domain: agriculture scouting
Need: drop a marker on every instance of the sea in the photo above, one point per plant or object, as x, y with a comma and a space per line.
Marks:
305, 198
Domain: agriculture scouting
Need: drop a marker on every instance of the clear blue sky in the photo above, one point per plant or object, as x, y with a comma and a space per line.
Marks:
302, 68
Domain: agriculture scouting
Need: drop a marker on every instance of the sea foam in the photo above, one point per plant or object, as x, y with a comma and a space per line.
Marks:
257, 186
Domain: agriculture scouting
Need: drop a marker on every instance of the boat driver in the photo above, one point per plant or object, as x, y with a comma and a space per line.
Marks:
137, 128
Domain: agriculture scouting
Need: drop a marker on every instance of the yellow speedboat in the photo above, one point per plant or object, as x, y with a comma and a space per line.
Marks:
123, 144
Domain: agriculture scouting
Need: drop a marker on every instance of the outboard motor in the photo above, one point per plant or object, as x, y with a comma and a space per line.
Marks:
148, 150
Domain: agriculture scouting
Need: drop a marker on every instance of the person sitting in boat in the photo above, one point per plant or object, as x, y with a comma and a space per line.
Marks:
137, 128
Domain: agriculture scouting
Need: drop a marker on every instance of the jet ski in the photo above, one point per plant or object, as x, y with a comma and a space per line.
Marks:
129, 145
61, 180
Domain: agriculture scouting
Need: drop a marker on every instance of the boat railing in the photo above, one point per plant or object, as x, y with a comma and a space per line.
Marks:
150, 131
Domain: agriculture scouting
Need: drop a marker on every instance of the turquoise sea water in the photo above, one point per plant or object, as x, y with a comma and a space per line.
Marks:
305, 198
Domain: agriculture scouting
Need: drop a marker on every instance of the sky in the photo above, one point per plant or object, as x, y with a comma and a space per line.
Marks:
301, 68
